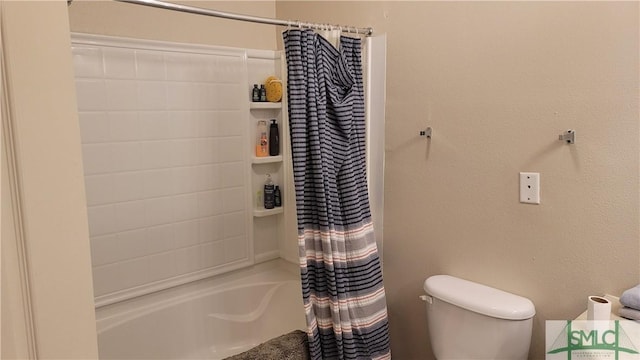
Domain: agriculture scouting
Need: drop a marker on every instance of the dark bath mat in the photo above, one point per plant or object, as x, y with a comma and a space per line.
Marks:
291, 346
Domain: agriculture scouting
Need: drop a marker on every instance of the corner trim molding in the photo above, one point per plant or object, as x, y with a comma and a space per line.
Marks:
10, 152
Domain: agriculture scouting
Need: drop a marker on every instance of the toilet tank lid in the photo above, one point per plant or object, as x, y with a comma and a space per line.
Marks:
479, 298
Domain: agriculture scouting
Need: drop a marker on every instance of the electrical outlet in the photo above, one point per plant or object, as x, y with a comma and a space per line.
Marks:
530, 188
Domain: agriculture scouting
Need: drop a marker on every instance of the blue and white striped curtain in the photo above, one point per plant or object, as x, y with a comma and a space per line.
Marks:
342, 285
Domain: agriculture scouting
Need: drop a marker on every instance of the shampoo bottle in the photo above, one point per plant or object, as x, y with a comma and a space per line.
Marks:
277, 197
274, 139
263, 93
255, 93
269, 193
262, 143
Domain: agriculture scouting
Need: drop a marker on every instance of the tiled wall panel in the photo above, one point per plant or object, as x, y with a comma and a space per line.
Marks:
164, 135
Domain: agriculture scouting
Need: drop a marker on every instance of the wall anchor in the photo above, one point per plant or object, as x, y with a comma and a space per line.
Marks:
426, 132
568, 136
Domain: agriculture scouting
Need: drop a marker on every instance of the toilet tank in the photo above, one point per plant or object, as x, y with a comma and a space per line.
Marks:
467, 320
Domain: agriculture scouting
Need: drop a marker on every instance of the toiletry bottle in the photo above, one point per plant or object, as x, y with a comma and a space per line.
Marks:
277, 197
274, 139
263, 93
255, 93
262, 142
259, 199
269, 190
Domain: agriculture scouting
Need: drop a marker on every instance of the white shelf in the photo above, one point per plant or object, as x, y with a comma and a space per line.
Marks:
265, 105
266, 159
261, 212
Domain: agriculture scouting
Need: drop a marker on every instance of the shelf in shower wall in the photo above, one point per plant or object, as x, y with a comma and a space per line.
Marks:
262, 212
265, 105
266, 159
268, 225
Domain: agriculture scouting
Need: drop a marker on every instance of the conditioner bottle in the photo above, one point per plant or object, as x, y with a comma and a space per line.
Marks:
277, 197
274, 139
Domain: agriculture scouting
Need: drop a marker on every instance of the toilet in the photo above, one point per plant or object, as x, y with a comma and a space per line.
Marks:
467, 320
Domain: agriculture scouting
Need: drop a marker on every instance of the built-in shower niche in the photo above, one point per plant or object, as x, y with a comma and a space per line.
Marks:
269, 224
170, 181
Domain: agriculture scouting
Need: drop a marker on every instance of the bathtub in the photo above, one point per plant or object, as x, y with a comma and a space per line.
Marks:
208, 319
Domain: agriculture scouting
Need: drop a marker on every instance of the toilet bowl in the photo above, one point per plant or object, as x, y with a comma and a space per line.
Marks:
469, 321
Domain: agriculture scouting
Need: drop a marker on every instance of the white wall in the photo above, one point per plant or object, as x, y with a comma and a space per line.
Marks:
164, 135
131, 21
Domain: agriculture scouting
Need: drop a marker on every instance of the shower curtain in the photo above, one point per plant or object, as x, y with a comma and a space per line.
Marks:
342, 285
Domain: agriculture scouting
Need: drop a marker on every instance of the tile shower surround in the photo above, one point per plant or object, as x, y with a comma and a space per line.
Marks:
163, 143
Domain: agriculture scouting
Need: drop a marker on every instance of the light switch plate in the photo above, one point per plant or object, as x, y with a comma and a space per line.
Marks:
530, 188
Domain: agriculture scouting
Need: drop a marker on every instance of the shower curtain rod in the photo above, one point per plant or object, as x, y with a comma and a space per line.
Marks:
227, 15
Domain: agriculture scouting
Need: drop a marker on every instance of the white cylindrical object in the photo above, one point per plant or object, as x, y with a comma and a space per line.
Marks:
598, 308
